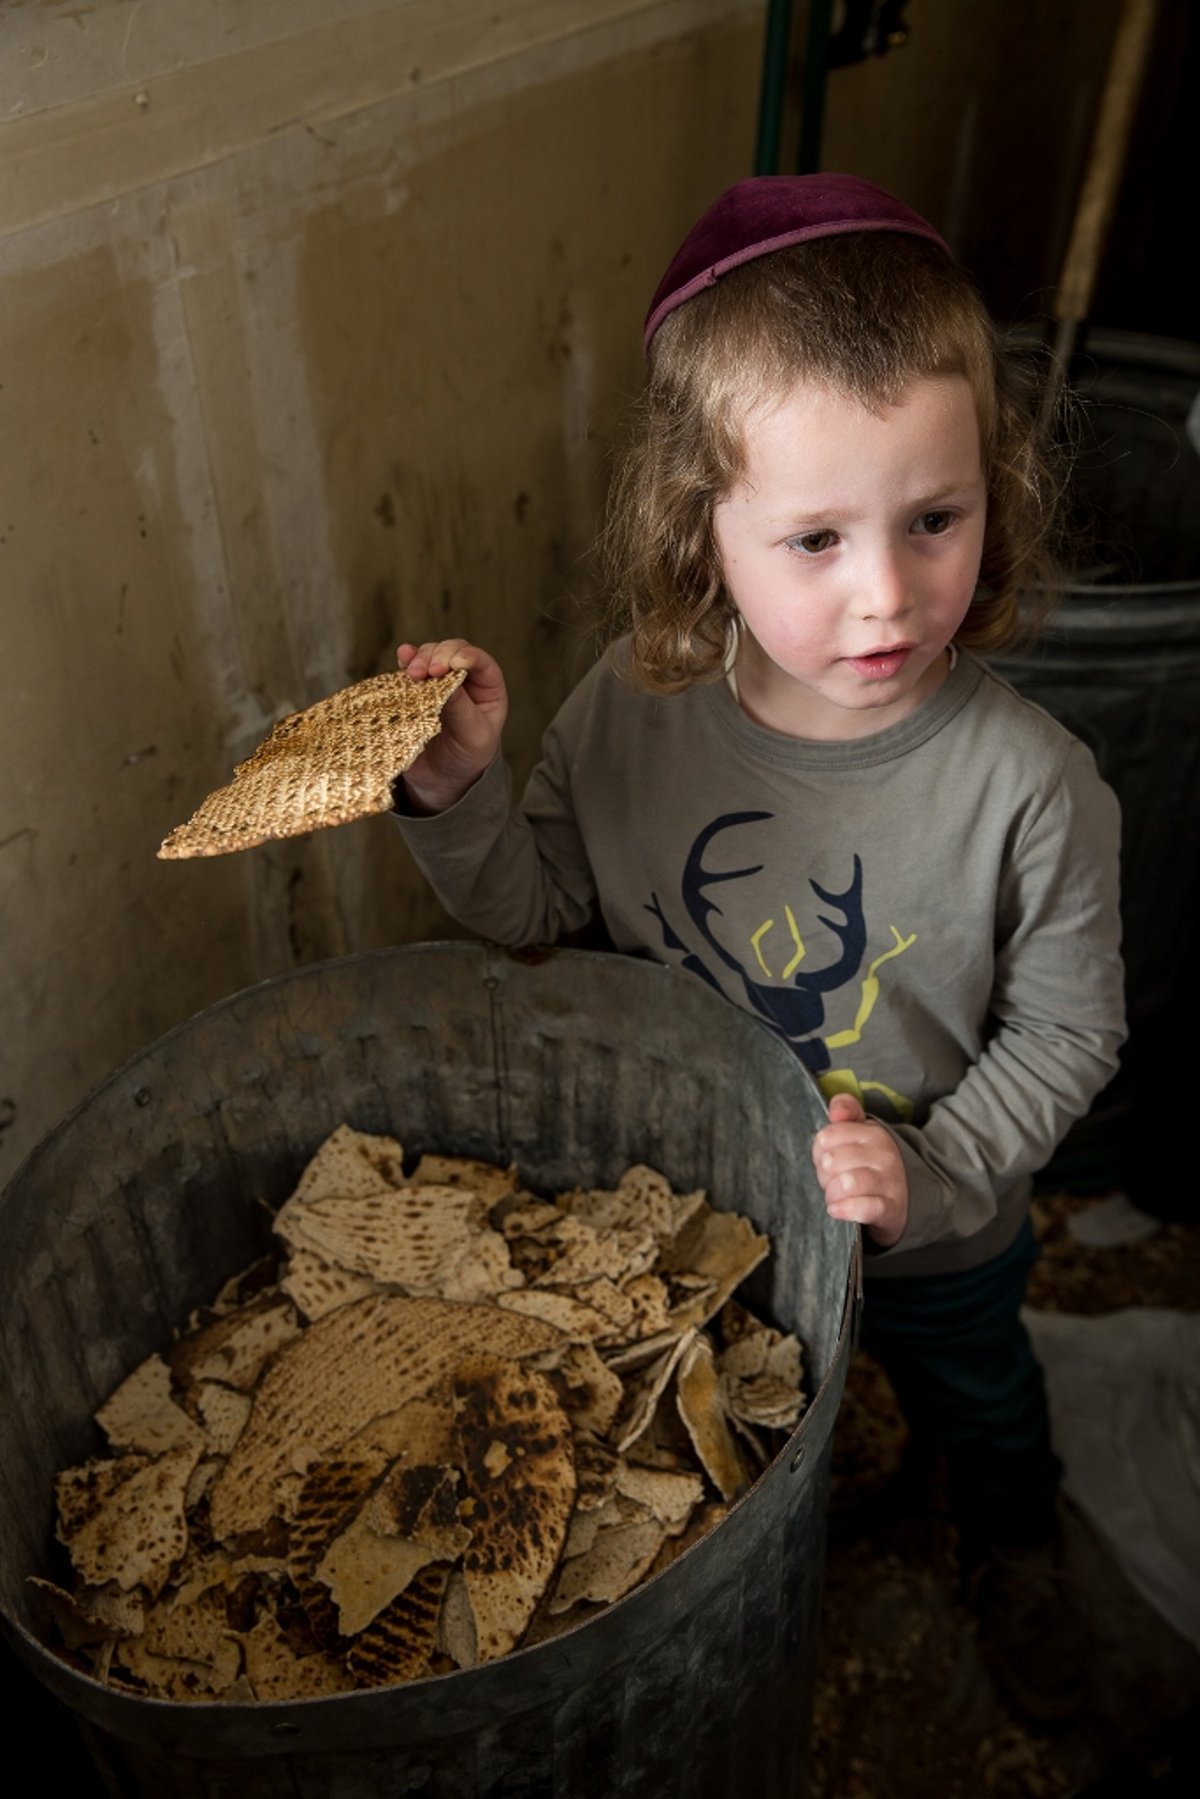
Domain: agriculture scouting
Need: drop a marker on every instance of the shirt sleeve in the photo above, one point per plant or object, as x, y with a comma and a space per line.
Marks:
1057, 1016
514, 875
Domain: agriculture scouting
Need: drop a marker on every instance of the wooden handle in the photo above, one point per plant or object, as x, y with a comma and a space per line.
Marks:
1127, 65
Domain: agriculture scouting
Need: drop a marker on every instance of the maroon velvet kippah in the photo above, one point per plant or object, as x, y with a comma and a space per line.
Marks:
768, 212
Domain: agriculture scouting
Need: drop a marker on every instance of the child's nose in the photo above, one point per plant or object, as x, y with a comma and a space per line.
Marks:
887, 591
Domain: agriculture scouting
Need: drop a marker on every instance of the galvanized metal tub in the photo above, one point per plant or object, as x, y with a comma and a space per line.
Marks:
135, 1209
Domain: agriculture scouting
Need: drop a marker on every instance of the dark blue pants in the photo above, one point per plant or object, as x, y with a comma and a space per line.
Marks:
960, 1360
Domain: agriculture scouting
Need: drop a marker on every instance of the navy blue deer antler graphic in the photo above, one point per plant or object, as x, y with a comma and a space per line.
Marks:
794, 1011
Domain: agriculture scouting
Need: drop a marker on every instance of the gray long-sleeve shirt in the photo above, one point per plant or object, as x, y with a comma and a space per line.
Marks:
929, 915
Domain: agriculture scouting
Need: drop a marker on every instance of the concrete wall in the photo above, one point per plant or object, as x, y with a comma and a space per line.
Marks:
317, 318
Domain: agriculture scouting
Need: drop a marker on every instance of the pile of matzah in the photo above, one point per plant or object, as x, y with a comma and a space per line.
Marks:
452, 1418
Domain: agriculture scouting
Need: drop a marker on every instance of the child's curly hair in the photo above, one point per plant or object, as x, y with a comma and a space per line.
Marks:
863, 313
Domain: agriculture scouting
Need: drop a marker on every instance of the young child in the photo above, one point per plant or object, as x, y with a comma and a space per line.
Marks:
792, 777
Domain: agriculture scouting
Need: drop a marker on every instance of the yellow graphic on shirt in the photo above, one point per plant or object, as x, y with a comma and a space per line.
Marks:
793, 1003
756, 945
843, 1080
870, 991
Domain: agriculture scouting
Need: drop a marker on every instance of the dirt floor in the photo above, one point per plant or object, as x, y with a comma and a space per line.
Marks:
905, 1706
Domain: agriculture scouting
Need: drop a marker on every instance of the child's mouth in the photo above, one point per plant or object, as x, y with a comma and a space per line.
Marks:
879, 665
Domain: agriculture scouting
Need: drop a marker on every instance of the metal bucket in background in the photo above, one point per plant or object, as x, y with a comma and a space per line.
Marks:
1119, 664
137, 1207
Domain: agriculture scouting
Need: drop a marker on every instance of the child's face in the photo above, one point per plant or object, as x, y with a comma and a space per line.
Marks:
851, 549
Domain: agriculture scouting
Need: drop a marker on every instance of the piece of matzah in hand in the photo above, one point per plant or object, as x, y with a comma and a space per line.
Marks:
334, 762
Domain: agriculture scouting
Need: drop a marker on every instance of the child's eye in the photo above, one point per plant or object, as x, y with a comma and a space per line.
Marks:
932, 524
812, 542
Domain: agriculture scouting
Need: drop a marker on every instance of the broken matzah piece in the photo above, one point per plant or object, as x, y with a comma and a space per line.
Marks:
397, 1238
235, 1347
331, 1494
365, 1570
760, 1370
456, 1624
276, 1670
315, 1286
611, 1566
575, 1319
671, 1498
518, 1492
93, 1614
334, 762
398, 1644
221, 1412
184, 1650
351, 1163
589, 1392
698, 1396
142, 1413
720, 1246
642, 1199
123, 1520
643, 1390
492, 1184
362, 1359
419, 1433
408, 1522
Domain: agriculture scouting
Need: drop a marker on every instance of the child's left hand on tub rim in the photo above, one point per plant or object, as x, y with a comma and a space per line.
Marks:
861, 1171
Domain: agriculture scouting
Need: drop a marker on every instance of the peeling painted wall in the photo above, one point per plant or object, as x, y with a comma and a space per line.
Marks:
315, 323
317, 318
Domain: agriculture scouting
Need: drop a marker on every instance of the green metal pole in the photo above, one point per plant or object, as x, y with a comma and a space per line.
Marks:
774, 83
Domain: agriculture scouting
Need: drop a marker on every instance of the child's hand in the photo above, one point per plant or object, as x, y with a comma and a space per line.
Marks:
861, 1171
472, 721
